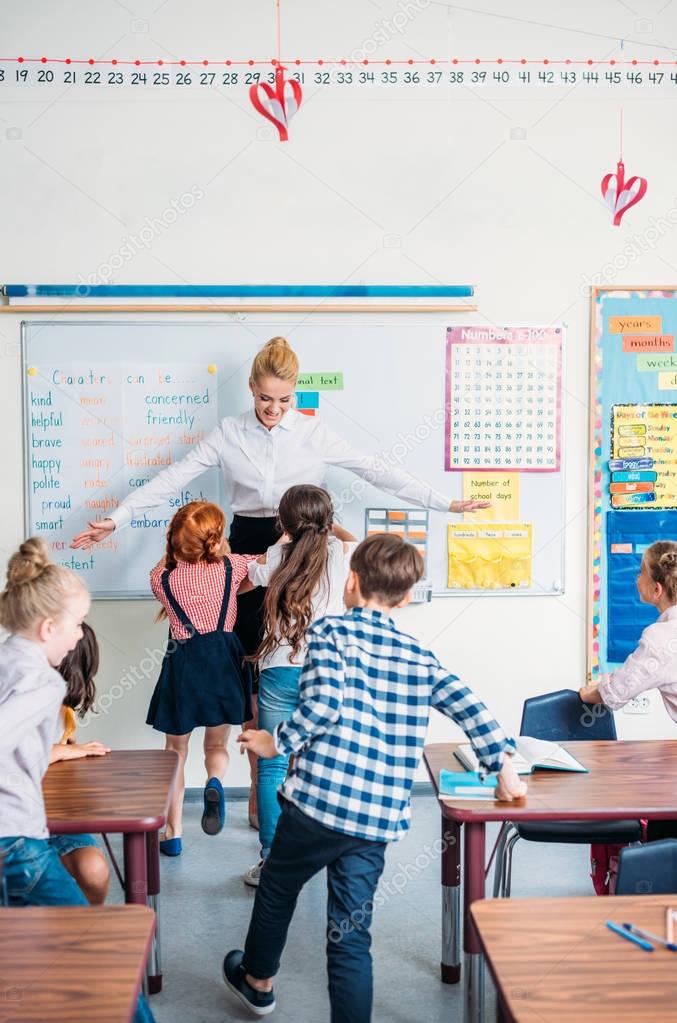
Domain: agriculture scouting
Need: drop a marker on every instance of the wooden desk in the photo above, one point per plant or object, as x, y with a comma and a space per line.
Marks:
66, 963
127, 792
554, 959
625, 780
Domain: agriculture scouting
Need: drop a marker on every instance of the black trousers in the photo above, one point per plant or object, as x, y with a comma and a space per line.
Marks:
251, 536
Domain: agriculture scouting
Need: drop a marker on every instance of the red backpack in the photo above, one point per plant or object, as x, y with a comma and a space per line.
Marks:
604, 865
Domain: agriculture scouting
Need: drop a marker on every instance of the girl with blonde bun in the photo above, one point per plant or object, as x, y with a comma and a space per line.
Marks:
43, 607
653, 665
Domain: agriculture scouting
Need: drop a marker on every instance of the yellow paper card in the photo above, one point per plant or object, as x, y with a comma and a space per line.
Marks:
490, 557
501, 488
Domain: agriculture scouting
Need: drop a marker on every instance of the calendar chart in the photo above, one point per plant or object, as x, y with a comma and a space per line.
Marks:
503, 405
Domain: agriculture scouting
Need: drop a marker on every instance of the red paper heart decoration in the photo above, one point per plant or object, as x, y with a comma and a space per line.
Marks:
619, 194
279, 104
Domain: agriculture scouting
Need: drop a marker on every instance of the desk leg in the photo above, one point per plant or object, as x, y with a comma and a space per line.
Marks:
154, 968
474, 889
134, 851
451, 902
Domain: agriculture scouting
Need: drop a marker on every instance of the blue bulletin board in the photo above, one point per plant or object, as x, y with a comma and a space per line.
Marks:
633, 465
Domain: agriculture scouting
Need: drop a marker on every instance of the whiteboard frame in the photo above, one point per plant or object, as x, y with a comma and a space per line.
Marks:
282, 310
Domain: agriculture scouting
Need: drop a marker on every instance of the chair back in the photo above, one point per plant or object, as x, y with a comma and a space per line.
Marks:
649, 869
562, 717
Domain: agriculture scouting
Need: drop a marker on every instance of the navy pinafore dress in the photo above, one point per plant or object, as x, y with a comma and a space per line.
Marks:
203, 679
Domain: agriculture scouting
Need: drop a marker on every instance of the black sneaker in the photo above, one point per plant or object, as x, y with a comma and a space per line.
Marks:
261, 1003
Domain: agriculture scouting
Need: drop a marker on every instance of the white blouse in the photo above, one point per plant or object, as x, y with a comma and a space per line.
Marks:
258, 465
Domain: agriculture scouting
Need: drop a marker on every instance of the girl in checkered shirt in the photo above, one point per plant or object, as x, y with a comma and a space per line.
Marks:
204, 680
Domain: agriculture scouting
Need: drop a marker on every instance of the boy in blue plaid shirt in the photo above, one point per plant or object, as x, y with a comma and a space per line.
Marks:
365, 696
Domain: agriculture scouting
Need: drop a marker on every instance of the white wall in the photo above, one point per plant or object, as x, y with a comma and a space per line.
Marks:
395, 187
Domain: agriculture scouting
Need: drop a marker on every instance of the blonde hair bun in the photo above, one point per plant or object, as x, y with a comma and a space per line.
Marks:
277, 359
36, 588
28, 563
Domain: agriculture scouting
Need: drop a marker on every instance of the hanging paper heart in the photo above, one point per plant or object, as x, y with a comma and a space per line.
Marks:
619, 194
279, 104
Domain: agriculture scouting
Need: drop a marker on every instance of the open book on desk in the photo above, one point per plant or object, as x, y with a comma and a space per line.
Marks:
532, 754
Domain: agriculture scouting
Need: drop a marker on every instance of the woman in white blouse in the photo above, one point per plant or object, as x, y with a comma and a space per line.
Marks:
265, 451
262, 453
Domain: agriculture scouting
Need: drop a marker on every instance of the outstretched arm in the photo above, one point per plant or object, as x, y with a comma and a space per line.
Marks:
382, 472
166, 484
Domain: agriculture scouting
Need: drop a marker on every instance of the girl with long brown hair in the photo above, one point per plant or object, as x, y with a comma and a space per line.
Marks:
304, 576
204, 680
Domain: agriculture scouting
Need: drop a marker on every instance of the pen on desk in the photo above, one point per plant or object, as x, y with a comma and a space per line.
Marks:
670, 924
650, 937
646, 945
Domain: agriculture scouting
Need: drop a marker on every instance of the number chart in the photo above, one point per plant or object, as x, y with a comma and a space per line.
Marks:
609, 76
503, 398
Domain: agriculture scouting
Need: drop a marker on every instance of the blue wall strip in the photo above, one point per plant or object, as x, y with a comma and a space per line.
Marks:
236, 291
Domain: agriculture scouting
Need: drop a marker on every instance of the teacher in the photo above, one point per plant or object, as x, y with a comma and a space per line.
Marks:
262, 453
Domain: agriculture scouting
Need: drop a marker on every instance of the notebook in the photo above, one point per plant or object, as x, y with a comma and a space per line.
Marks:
467, 785
532, 754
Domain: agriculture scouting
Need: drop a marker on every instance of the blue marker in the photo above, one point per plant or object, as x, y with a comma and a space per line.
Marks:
646, 945
617, 464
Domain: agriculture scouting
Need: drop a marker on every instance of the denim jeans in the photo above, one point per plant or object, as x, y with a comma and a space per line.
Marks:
35, 876
301, 848
278, 699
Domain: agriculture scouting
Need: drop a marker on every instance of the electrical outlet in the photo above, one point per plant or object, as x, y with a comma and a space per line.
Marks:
639, 705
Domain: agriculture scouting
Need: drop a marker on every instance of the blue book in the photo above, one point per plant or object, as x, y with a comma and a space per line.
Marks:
467, 784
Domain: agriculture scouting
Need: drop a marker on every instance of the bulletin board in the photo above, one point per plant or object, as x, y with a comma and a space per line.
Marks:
109, 403
633, 459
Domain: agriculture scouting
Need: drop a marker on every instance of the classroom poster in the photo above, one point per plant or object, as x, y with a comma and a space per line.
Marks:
503, 398
633, 437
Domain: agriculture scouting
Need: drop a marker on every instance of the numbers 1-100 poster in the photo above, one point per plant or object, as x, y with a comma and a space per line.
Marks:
503, 398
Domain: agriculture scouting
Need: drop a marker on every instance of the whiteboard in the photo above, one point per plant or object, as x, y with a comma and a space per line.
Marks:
381, 385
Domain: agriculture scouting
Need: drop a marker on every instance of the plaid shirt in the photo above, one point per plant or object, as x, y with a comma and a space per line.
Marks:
198, 588
365, 696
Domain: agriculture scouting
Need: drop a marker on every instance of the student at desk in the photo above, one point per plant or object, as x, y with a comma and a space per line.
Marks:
653, 665
43, 606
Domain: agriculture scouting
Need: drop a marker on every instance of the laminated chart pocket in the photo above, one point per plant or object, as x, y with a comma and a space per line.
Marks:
490, 557
629, 533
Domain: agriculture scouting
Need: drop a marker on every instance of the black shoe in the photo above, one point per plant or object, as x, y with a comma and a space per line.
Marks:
261, 1003
214, 814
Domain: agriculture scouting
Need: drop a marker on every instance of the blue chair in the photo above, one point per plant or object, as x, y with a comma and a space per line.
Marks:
649, 869
561, 717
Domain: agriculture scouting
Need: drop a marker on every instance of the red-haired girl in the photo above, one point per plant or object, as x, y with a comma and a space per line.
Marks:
204, 680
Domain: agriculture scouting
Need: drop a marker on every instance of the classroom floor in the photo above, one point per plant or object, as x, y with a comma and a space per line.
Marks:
206, 908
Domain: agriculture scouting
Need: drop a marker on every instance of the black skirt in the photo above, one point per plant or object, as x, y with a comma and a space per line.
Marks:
251, 536
204, 679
